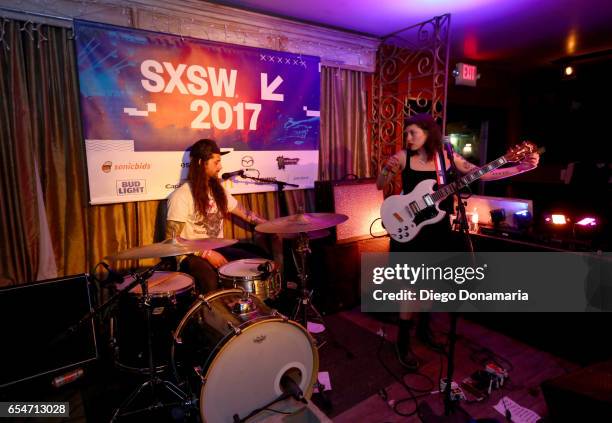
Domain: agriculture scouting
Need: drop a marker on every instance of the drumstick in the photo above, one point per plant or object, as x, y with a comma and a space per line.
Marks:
160, 281
138, 288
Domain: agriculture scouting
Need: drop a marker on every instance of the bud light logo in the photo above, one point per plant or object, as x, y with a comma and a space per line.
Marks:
132, 187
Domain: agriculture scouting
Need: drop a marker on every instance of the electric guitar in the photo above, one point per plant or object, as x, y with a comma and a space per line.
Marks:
403, 216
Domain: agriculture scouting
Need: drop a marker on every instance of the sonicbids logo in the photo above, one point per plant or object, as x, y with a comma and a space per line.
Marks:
108, 166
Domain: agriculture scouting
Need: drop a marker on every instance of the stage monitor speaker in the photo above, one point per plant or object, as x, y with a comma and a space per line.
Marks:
358, 199
33, 318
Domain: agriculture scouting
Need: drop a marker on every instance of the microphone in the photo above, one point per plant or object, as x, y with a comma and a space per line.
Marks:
112, 275
290, 387
228, 175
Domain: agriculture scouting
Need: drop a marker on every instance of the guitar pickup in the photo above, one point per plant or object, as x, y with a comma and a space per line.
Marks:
398, 217
409, 212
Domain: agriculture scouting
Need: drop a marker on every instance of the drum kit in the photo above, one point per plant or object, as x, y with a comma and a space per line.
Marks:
230, 354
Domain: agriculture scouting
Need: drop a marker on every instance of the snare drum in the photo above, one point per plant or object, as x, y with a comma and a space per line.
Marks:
246, 274
233, 350
171, 295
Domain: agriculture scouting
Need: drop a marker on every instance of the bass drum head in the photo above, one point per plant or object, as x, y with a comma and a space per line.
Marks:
246, 372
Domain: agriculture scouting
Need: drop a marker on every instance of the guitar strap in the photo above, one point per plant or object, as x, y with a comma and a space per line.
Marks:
441, 176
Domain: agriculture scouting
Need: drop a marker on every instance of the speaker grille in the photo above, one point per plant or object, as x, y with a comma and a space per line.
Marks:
359, 200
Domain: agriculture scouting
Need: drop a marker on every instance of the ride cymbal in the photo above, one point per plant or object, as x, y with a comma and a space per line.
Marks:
302, 222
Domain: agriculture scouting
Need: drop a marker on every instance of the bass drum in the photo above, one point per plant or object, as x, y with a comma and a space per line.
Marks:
233, 349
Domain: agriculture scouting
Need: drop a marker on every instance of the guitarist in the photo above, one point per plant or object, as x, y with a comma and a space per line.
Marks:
423, 138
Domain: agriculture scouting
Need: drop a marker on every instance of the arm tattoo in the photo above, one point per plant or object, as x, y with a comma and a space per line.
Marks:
245, 214
174, 228
503, 173
469, 167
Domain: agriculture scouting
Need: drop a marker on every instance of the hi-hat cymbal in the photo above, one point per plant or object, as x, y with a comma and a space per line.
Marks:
302, 222
171, 247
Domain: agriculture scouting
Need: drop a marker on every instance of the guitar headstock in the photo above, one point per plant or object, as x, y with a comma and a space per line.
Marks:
519, 151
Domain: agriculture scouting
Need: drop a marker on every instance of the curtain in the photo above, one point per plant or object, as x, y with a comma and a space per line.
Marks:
41, 131
19, 228
40, 125
343, 124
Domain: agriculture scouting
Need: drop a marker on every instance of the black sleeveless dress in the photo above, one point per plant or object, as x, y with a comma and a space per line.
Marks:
436, 237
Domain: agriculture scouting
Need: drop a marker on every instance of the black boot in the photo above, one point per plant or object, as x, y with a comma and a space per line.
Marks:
402, 348
425, 334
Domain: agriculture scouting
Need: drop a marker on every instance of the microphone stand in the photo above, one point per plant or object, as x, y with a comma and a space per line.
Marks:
449, 407
453, 413
280, 187
99, 309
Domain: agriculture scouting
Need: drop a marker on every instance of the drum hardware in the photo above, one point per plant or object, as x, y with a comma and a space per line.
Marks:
154, 381
243, 306
304, 301
237, 330
299, 226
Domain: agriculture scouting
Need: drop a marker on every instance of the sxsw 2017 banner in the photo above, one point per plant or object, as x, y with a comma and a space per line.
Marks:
146, 97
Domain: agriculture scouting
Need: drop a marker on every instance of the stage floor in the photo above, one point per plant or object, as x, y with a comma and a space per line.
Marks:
356, 366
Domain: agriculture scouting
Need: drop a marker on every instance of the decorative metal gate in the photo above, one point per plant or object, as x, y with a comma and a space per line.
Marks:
410, 78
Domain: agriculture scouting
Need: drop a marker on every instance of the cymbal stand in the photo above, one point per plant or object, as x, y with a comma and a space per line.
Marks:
304, 303
154, 381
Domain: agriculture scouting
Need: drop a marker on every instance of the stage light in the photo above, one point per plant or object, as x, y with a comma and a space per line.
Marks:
498, 216
587, 221
568, 71
559, 219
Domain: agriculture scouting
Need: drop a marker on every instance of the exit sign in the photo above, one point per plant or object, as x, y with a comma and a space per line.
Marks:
466, 74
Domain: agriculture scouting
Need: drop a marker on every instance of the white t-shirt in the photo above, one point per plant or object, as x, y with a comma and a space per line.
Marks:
181, 208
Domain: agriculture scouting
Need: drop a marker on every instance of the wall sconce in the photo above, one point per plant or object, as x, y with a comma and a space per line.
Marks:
568, 72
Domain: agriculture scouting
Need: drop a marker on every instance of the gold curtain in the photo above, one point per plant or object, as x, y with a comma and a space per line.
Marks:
343, 124
19, 229
40, 123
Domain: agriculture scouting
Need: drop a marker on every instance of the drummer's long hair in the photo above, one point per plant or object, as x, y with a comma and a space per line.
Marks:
200, 182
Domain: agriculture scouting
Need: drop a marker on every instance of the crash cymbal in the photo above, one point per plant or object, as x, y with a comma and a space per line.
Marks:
207, 243
302, 222
171, 247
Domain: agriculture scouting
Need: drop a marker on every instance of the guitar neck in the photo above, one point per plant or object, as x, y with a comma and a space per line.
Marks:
465, 180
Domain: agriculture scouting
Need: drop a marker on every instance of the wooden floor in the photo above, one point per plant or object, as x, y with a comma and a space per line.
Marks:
530, 368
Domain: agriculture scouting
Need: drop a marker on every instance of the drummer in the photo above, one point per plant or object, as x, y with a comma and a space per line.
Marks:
197, 209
